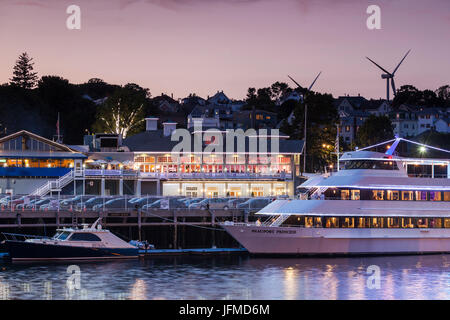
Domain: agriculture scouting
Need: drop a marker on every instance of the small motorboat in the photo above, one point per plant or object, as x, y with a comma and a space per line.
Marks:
88, 243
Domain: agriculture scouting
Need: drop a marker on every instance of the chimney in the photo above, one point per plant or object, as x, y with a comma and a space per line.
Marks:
169, 127
151, 124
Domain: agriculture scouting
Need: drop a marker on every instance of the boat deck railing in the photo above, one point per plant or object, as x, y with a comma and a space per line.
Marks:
20, 237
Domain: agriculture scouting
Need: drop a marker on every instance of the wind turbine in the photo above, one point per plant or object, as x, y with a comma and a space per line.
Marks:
389, 76
306, 115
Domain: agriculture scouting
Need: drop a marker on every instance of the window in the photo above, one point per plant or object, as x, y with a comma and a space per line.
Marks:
378, 195
348, 223
370, 164
393, 195
447, 196
63, 235
84, 237
332, 223
393, 222
435, 196
345, 194
407, 195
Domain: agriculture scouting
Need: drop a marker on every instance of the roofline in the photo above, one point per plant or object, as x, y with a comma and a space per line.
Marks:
38, 137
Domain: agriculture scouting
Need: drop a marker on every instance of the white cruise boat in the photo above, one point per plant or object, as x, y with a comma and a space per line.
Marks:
379, 203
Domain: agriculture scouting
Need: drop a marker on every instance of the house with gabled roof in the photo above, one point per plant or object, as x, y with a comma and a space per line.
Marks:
28, 160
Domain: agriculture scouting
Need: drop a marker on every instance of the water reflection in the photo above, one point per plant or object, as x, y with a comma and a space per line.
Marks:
407, 277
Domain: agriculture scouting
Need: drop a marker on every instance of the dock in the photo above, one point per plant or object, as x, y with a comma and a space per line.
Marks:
191, 252
177, 252
170, 229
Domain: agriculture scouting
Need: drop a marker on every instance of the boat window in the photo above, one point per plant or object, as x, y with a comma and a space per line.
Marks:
392, 195
348, 223
332, 223
447, 196
84, 237
393, 222
435, 196
407, 223
63, 235
446, 223
361, 222
421, 195
345, 194
377, 222
407, 195
318, 222
378, 195
56, 235
422, 223
370, 164
308, 222
356, 195
436, 223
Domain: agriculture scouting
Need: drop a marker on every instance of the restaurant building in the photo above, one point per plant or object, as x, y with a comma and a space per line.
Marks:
143, 164
27, 161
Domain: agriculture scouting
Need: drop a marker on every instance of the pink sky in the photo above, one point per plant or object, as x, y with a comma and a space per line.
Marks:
201, 46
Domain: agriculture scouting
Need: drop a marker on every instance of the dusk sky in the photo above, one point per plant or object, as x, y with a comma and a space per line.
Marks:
201, 46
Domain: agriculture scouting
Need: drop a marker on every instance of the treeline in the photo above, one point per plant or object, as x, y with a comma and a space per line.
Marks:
32, 103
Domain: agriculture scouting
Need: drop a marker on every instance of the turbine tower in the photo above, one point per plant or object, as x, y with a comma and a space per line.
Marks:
389, 76
306, 114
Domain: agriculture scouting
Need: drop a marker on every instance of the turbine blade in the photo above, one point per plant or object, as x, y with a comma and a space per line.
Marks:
393, 87
378, 65
298, 85
309, 89
401, 61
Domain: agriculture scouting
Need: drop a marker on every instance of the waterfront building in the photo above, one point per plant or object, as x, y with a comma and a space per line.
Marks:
202, 174
27, 161
143, 164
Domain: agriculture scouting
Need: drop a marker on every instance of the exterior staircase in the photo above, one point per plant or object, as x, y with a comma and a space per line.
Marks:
278, 221
55, 185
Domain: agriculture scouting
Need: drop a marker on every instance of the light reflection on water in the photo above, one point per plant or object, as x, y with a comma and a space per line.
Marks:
405, 277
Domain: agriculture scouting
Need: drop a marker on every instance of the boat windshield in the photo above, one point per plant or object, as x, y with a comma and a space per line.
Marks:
63, 235
57, 234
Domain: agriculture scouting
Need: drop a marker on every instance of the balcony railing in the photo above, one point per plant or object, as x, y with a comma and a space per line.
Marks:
110, 173
179, 175
214, 175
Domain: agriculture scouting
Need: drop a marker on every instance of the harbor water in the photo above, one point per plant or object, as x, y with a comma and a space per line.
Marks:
232, 277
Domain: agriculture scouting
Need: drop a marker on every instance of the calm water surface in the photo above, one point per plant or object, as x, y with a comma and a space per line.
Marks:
406, 277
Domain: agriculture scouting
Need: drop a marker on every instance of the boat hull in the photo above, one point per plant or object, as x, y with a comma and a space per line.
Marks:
321, 241
29, 251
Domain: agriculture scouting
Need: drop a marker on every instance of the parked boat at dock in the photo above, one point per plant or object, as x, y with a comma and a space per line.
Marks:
89, 243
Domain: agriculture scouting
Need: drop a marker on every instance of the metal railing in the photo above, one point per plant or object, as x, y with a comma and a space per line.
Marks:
54, 184
125, 203
20, 237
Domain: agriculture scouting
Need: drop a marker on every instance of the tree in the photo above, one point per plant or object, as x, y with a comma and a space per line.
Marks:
77, 114
374, 130
260, 99
279, 89
444, 93
23, 75
123, 112
427, 98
